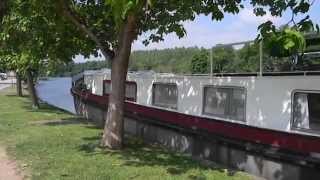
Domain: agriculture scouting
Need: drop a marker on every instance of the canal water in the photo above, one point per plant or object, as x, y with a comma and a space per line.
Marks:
56, 91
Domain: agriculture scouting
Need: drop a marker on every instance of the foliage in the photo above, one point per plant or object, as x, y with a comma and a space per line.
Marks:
53, 38
3, 66
175, 60
200, 63
247, 59
223, 58
159, 18
179, 61
39, 18
285, 43
33, 36
69, 149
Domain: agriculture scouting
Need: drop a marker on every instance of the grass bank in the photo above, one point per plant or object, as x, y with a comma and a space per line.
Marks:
50, 149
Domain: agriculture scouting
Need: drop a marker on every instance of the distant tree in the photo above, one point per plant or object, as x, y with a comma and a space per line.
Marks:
71, 68
247, 58
223, 58
175, 60
200, 63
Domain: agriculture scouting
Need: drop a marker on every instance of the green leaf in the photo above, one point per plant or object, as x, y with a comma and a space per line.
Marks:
288, 44
127, 8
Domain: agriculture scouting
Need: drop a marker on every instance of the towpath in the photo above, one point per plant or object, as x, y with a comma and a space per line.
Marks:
8, 167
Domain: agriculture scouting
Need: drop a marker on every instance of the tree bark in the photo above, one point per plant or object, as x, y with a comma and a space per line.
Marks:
32, 90
113, 130
18, 84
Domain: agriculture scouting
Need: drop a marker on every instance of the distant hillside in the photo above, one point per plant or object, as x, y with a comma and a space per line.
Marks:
175, 60
196, 60
65, 70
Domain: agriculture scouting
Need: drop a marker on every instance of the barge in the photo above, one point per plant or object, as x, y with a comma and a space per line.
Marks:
274, 117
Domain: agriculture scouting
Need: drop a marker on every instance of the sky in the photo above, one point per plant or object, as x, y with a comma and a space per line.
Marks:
203, 32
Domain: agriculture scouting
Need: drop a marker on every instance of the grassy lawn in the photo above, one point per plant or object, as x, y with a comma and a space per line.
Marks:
68, 150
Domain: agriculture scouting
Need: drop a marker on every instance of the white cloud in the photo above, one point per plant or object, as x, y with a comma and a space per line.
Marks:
203, 32
248, 17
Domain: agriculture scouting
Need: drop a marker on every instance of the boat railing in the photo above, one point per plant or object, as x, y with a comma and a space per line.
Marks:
283, 73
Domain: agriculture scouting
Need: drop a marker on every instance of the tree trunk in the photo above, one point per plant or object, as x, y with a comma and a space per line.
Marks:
113, 130
18, 84
32, 90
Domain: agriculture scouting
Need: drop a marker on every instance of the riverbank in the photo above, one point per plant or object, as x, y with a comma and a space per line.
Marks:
50, 144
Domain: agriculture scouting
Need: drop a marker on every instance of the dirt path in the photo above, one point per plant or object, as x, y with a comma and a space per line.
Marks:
8, 168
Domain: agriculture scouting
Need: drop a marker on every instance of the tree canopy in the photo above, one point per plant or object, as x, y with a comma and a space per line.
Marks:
33, 34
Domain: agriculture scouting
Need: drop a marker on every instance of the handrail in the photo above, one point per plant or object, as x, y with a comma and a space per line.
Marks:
282, 73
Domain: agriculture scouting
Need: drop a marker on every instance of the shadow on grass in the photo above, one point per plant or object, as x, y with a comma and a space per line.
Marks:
94, 126
26, 104
14, 95
138, 154
65, 121
44, 108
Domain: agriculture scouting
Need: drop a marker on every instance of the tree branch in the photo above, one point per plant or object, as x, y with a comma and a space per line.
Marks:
67, 11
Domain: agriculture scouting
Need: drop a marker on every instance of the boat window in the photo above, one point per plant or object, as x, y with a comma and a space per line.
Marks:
131, 90
225, 102
165, 95
306, 111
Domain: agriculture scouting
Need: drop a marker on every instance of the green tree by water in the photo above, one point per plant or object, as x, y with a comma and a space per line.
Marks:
223, 59
200, 63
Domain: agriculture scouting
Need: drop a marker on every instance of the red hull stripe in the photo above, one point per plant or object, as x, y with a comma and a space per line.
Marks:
294, 142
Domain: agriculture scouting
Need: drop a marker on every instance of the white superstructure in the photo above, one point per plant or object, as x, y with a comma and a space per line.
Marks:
263, 101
